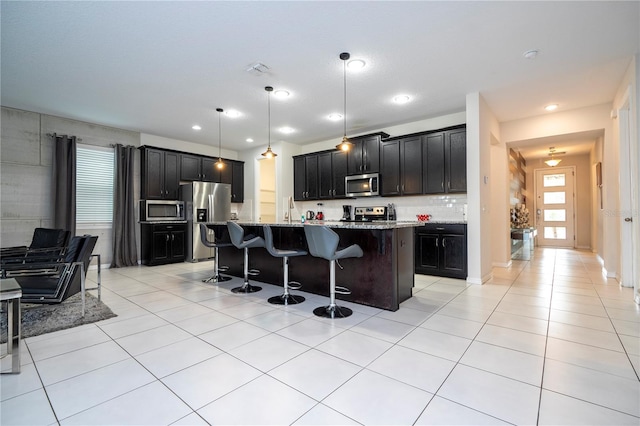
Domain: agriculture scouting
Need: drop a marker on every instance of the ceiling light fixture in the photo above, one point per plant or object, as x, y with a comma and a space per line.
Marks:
356, 64
334, 117
232, 113
196, 127
551, 107
281, 94
286, 130
552, 162
219, 163
249, 140
345, 145
401, 99
269, 153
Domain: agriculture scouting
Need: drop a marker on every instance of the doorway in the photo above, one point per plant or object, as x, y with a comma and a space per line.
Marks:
555, 207
267, 191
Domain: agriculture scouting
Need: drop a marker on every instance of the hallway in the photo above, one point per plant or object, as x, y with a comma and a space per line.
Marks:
547, 341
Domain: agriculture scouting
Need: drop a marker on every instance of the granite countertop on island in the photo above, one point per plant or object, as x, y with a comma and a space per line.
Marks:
376, 224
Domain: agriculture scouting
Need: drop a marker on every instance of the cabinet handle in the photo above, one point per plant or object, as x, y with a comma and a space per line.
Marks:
449, 185
167, 237
442, 186
444, 240
437, 239
403, 188
439, 229
397, 188
173, 237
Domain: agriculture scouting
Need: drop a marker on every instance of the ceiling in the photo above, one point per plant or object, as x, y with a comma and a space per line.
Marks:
161, 67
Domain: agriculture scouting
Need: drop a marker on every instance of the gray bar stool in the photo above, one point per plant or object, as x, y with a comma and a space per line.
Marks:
323, 242
238, 239
286, 298
216, 278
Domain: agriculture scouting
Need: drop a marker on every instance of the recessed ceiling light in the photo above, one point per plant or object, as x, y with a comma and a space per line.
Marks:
402, 99
281, 94
232, 113
334, 117
531, 54
286, 130
551, 107
196, 127
356, 64
249, 140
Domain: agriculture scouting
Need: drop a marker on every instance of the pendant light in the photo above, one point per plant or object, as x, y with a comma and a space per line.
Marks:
552, 162
219, 163
269, 153
345, 145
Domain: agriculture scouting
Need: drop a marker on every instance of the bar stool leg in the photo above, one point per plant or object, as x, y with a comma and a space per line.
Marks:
246, 287
217, 278
286, 298
332, 310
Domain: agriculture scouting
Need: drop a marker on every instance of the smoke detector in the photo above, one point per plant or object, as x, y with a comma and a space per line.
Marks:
257, 69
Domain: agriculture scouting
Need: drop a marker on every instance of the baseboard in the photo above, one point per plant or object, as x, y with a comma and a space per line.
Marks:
588, 248
480, 281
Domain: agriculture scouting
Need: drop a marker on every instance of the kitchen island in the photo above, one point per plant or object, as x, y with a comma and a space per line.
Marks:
383, 277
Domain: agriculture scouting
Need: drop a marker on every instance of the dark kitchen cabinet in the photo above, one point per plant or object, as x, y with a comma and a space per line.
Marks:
441, 250
305, 177
163, 243
160, 174
198, 168
332, 169
364, 156
444, 161
236, 179
401, 166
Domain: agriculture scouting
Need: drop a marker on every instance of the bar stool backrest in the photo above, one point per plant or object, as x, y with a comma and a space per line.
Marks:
322, 241
236, 233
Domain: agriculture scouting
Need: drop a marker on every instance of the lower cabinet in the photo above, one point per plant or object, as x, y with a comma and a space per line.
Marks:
163, 243
441, 249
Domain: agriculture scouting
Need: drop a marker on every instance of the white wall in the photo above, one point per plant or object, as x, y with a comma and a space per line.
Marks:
500, 203
481, 127
179, 145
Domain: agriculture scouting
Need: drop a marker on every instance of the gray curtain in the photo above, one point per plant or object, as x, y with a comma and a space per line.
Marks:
125, 252
64, 183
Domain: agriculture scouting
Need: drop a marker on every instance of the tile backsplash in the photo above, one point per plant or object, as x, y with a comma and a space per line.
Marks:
440, 207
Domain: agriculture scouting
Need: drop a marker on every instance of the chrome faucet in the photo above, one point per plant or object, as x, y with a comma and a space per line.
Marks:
289, 208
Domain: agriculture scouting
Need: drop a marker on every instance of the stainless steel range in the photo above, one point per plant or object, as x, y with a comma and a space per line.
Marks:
369, 214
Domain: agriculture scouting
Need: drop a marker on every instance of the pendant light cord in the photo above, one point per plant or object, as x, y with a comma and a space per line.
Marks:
344, 63
269, 117
219, 137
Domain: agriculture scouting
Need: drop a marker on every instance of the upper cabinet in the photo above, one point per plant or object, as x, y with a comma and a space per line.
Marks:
332, 169
163, 170
401, 166
305, 177
444, 161
364, 156
198, 168
160, 174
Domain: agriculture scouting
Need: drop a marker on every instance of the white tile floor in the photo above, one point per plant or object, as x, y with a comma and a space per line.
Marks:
547, 341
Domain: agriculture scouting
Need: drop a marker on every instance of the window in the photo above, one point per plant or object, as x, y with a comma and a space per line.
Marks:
555, 215
554, 197
94, 184
553, 180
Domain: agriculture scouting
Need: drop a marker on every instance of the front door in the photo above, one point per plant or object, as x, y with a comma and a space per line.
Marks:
555, 216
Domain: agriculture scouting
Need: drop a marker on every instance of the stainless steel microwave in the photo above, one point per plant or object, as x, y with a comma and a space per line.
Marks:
366, 185
161, 210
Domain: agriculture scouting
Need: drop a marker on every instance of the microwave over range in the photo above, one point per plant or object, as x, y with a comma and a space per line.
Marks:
161, 210
366, 185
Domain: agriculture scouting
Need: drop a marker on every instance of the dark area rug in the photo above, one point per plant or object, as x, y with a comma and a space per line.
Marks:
41, 319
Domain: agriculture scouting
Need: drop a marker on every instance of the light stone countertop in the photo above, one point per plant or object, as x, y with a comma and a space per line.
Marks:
382, 224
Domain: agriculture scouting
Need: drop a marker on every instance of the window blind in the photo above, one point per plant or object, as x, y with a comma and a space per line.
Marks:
94, 184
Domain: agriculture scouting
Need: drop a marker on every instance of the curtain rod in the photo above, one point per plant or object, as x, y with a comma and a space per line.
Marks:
113, 145
53, 135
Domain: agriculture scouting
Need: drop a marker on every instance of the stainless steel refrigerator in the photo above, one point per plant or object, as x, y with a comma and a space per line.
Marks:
204, 202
